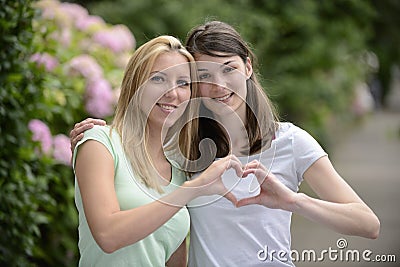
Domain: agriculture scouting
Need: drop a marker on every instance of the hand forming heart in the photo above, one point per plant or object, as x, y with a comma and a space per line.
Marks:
273, 193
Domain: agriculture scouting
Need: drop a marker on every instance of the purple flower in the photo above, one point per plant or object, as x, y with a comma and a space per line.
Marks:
85, 23
64, 37
62, 149
46, 60
48, 8
74, 11
100, 98
117, 38
87, 66
41, 133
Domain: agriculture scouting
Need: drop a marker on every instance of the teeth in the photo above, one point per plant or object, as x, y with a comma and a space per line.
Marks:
167, 107
223, 98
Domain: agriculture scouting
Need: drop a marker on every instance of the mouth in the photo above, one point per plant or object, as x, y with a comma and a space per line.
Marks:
167, 108
224, 98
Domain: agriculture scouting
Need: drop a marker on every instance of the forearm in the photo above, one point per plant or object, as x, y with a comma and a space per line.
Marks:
179, 257
346, 218
123, 228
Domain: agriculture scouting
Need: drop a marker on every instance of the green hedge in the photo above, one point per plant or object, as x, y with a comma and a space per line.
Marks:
25, 178
59, 65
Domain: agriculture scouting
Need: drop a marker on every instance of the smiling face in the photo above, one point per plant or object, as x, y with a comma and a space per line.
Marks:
167, 91
222, 82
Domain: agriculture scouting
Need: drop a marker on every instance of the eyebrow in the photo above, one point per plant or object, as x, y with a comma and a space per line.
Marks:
163, 73
151, 73
224, 64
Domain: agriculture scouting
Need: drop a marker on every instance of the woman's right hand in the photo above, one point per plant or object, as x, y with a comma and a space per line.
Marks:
210, 181
76, 134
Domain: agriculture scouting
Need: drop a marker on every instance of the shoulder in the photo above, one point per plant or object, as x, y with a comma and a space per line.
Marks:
293, 132
103, 135
98, 132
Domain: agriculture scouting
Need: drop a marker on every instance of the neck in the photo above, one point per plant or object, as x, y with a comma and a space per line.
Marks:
156, 152
234, 123
154, 144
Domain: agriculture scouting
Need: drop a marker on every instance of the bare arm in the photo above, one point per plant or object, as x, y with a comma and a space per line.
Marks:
179, 257
339, 208
112, 228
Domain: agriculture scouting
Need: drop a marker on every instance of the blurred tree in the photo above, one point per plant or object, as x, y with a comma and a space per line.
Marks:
385, 41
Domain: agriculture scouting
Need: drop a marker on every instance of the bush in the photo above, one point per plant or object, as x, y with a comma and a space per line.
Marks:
60, 66
23, 177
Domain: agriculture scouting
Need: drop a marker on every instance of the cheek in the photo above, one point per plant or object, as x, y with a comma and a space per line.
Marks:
184, 94
149, 98
204, 89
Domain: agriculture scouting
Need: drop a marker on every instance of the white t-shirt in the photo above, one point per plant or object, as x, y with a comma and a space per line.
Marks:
223, 235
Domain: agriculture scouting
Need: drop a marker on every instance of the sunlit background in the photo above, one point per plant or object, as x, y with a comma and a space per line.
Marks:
331, 67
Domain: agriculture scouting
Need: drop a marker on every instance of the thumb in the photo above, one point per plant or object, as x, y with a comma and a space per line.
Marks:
247, 201
229, 196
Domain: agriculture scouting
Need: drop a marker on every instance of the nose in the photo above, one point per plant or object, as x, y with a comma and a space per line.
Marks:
219, 83
171, 93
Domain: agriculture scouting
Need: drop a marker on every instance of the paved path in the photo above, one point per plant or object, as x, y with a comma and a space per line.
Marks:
368, 158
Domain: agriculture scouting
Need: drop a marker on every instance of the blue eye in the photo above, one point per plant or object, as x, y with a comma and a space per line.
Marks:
228, 69
204, 76
183, 83
157, 79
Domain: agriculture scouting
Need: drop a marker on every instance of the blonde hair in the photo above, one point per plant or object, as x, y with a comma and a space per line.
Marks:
131, 122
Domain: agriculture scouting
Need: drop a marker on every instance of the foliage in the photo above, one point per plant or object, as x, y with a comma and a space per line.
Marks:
23, 177
386, 40
310, 52
68, 70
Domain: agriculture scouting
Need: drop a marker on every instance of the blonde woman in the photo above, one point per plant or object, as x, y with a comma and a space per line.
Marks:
130, 199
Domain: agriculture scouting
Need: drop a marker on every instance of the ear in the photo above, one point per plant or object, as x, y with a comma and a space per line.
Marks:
249, 68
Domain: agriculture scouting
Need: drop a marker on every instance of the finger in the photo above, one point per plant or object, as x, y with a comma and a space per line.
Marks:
247, 201
90, 120
255, 164
80, 129
260, 174
248, 171
75, 141
252, 165
96, 121
231, 197
235, 163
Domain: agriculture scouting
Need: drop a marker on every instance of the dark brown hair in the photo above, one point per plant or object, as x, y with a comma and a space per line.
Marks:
218, 39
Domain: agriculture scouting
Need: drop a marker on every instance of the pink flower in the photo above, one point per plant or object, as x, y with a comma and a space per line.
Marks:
99, 98
117, 38
62, 149
74, 11
85, 23
41, 133
86, 66
46, 60
64, 37
48, 8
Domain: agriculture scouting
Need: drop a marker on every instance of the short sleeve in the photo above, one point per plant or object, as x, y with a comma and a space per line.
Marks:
100, 134
306, 151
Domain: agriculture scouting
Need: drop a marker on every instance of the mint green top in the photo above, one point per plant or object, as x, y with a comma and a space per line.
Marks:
155, 249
